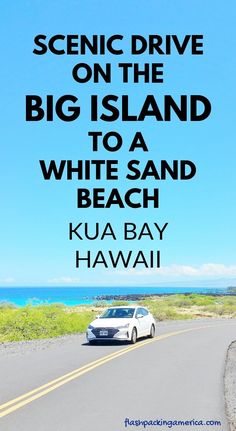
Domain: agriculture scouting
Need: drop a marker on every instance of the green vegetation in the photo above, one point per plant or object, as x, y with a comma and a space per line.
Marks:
47, 321
191, 306
44, 321
6, 305
103, 304
120, 303
231, 290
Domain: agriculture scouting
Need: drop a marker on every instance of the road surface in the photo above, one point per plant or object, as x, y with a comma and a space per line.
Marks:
69, 385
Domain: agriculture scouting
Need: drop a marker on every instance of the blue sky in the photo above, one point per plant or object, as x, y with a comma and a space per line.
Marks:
199, 245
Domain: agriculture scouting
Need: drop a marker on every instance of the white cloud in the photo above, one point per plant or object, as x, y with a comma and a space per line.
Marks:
7, 280
204, 270
64, 280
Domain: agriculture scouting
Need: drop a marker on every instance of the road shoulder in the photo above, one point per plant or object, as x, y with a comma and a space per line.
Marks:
230, 386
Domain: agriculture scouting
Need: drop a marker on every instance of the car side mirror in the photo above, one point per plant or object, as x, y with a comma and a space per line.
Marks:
139, 315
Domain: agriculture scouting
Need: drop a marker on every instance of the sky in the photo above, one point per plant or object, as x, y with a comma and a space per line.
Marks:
199, 243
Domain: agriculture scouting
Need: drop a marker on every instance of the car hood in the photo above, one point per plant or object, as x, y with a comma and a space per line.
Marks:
109, 323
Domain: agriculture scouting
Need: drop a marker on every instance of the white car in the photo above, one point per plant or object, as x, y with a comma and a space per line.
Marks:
122, 323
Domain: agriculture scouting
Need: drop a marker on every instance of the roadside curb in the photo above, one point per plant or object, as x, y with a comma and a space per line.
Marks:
230, 386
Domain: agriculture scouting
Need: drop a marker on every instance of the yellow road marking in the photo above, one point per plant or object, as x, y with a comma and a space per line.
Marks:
39, 392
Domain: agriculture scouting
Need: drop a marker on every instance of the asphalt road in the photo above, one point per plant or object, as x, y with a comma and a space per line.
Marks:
176, 376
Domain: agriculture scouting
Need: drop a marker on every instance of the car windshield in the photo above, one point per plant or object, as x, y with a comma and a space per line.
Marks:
118, 313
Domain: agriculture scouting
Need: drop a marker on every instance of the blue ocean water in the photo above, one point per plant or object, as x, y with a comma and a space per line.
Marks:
21, 296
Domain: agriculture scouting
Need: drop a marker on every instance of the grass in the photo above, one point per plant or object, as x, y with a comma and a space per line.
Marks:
46, 321
191, 306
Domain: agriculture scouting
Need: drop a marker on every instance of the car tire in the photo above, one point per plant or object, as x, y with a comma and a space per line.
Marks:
152, 332
133, 336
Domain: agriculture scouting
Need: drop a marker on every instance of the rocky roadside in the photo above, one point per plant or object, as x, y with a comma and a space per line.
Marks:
230, 386
24, 347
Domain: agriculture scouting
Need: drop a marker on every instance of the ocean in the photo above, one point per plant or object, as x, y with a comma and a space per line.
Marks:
71, 296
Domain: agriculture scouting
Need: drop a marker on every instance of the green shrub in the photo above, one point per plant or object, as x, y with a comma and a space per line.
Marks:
43, 321
119, 303
174, 306
99, 304
6, 305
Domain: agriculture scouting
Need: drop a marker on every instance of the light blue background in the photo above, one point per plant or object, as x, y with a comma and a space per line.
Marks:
199, 243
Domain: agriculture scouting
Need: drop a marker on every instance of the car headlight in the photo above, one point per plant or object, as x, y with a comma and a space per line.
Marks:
90, 327
123, 326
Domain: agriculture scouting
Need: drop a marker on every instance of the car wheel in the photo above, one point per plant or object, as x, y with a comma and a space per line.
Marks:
134, 336
152, 332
